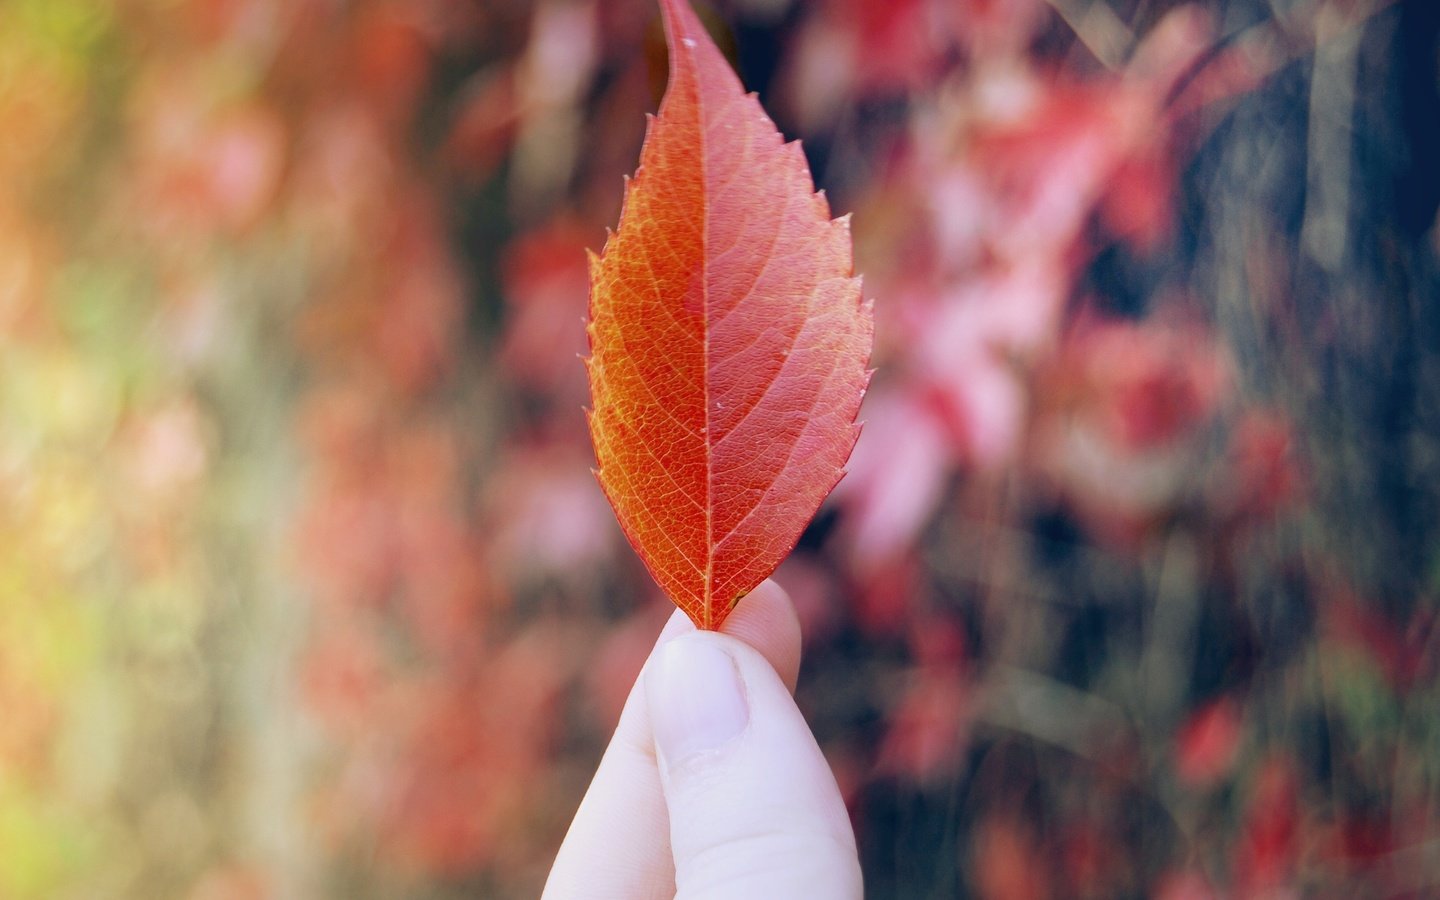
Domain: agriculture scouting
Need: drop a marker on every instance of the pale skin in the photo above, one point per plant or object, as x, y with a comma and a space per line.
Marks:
713, 786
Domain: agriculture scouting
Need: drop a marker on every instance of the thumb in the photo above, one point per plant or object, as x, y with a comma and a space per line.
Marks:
754, 810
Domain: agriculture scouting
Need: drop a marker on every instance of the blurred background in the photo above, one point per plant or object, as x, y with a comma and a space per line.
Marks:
306, 589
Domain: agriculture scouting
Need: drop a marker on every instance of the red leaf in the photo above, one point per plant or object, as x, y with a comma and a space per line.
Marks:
1207, 744
728, 340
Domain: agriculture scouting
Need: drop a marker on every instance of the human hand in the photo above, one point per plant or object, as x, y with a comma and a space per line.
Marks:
713, 786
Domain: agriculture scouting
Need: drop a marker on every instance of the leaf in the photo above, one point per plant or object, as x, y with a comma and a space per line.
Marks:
728, 340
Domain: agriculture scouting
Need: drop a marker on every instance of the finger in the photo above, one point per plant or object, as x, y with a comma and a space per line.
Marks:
618, 845
766, 620
624, 799
754, 810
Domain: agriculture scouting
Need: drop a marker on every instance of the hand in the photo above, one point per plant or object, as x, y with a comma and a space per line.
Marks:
713, 786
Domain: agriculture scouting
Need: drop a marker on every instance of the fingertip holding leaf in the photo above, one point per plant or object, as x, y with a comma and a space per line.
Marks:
728, 339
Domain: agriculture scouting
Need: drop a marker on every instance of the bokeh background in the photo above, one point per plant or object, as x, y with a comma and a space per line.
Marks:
306, 589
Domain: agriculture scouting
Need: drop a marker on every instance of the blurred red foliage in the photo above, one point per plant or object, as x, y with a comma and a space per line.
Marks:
1076, 622
1208, 743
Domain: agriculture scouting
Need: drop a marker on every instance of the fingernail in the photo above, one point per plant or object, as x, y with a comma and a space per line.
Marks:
697, 702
